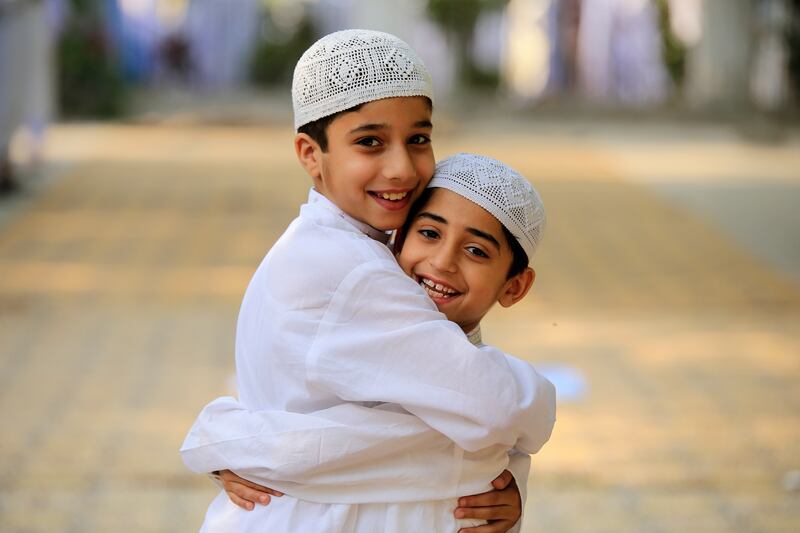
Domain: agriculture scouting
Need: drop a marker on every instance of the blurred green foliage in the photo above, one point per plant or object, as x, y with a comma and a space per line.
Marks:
458, 18
275, 57
673, 50
89, 81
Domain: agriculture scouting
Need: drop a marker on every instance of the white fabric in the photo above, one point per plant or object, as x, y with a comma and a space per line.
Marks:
299, 516
352, 67
499, 189
329, 326
364, 447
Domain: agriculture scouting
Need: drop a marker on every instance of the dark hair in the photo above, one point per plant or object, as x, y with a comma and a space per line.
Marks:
519, 259
317, 129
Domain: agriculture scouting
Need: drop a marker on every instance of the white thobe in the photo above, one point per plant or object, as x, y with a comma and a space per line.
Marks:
329, 328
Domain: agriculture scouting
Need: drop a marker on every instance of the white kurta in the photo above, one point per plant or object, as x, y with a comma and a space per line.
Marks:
330, 327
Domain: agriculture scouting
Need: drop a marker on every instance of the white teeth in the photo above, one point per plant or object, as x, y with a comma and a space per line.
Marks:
438, 288
436, 294
393, 196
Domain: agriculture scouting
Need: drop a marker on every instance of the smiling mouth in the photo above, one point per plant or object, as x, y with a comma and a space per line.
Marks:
391, 196
437, 291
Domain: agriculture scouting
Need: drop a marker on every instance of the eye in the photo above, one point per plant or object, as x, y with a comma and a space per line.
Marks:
474, 250
370, 142
429, 233
419, 139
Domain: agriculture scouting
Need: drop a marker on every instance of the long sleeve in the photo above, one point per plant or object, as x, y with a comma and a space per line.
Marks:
382, 339
519, 465
344, 454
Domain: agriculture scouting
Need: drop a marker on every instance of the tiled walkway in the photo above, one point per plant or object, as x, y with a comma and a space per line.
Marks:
120, 284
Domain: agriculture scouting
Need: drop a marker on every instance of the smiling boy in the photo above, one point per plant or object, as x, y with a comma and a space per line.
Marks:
331, 322
373, 160
463, 257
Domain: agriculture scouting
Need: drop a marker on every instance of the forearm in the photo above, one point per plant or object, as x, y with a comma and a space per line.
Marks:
520, 467
345, 454
397, 348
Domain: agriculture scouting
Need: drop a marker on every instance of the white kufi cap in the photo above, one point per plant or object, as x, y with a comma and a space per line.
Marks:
352, 67
497, 188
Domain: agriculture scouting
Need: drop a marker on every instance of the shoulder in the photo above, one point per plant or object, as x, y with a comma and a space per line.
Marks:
309, 243
313, 259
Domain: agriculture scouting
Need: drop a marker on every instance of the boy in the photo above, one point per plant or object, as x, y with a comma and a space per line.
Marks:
466, 260
331, 324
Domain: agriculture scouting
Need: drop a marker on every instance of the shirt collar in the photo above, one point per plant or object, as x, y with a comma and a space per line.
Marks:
474, 336
316, 198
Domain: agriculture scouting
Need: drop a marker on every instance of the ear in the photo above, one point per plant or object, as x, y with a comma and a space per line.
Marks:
517, 287
309, 154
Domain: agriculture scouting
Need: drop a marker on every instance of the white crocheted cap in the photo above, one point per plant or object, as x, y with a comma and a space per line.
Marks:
496, 187
352, 67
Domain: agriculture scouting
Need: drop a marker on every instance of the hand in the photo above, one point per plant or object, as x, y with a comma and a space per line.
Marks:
501, 507
245, 493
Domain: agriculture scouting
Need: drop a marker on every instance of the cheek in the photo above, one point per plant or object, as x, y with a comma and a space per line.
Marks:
411, 255
404, 259
482, 285
352, 164
333, 168
426, 165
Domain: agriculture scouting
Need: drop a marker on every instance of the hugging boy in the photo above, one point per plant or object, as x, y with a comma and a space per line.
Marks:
331, 327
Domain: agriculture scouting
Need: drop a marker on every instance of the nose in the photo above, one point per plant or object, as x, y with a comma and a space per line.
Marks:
444, 258
399, 165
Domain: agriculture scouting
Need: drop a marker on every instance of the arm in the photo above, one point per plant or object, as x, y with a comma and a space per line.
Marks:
503, 506
520, 466
382, 339
350, 446
345, 454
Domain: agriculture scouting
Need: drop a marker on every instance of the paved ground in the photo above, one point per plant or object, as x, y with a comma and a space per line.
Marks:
120, 283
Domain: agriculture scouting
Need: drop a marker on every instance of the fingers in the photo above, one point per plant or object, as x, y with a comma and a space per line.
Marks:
245, 493
268, 490
487, 499
499, 512
502, 481
500, 526
229, 477
244, 504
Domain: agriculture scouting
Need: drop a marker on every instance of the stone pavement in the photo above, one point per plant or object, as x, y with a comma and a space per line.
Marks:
120, 284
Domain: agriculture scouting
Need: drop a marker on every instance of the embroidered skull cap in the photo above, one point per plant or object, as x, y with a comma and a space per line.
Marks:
500, 190
351, 67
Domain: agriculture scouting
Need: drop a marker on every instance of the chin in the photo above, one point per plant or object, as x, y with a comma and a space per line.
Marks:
388, 225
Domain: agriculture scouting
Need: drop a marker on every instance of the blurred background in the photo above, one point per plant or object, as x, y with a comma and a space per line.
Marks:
146, 166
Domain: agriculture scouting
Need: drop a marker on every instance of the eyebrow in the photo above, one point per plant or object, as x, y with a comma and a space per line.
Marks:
474, 231
383, 125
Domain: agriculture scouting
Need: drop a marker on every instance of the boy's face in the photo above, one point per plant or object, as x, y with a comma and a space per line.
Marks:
456, 250
379, 160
